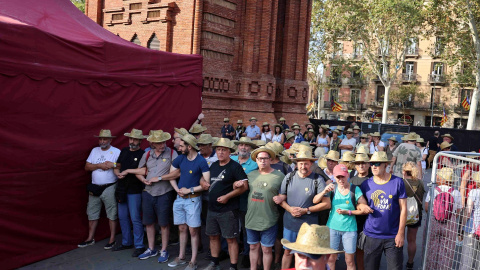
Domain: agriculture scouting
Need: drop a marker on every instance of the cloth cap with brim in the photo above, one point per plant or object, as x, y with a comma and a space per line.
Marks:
253, 118
379, 156
376, 134
444, 145
393, 138
246, 140
348, 156
304, 153
259, 143
159, 136
192, 141
289, 136
448, 136
296, 127
340, 169
197, 128
359, 158
239, 122
136, 134
265, 124
446, 174
105, 133
205, 139
226, 120
257, 151
280, 126
312, 239
282, 119
181, 131
224, 142
332, 155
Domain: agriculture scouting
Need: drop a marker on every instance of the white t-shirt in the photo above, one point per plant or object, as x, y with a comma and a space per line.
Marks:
330, 176
351, 142
97, 156
457, 198
374, 148
424, 163
474, 196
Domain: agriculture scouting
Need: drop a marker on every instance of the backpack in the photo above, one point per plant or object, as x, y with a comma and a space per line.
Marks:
290, 177
413, 211
352, 195
443, 205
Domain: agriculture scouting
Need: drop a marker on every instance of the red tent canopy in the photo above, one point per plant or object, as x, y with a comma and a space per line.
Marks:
62, 79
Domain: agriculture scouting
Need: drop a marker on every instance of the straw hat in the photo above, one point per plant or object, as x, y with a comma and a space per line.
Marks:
356, 128
285, 159
379, 156
363, 150
105, 133
322, 163
309, 124
289, 136
476, 177
349, 131
306, 144
224, 142
393, 138
246, 140
192, 141
180, 131
293, 148
205, 139
420, 140
262, 149
336, 131
259, 143
411, 137
159, 136
197, 128
265, 124
319, 152
361, 158
365, 136
239, 121
446, 174
348, 156
252, 118
275, 147
341, 128
282, 119
312, 239
278, 125
151, 132
325, 127
215, 139
311, 130
304, 153
376, 134
136, 134
448, 135
226, 119
444, 145
332, 155
472, 156
296, 127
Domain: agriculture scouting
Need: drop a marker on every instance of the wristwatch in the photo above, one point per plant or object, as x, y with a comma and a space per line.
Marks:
308, 211
114, 165
191, 189
159, 178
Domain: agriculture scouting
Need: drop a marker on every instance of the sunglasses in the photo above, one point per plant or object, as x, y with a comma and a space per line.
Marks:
376, 164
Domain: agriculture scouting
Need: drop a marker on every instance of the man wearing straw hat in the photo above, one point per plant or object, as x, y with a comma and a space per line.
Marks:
384, 228
227, 130
449, 138
239, 130
282, 121
176, 138
253, 131
158, 195
311, 246
406, 152
129, 195
262, 215
296, 197
187, 207
101, 162
197, 130
298, 136
347, 144
223, 203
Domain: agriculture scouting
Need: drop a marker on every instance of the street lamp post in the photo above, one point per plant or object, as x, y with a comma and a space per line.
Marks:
433, 92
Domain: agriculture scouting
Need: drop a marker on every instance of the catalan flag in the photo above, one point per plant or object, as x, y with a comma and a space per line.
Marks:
444, 118
310, 106
336, 107
466, 103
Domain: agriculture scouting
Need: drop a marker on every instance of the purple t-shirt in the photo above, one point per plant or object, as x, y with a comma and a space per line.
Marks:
384, 200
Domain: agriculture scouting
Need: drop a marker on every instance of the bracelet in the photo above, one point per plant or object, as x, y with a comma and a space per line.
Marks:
349, 212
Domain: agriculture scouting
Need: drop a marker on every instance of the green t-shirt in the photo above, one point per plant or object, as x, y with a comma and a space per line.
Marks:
262, 211
344, 223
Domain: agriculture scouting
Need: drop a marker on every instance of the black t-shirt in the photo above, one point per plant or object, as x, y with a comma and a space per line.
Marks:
432, 143
129, 160
357, 181
221, 183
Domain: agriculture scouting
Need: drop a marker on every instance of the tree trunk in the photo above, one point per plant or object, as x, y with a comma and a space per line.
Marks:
472, 22
385, 104
472, 114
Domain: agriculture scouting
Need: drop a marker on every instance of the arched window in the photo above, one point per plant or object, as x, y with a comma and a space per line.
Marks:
153, 43
135, 40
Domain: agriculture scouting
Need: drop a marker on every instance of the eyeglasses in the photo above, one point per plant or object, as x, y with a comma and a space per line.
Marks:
263, 159
376, 164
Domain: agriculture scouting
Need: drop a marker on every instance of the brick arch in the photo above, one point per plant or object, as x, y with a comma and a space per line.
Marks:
135, 39
153, 42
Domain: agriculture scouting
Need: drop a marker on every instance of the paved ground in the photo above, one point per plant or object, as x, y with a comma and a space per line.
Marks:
95, 257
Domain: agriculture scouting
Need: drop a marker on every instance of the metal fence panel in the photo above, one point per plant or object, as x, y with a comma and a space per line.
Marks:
452, 238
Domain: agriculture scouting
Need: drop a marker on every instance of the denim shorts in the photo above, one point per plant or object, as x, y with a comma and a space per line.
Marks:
187, 211
266, 238
349, 240
159, 206
291, 236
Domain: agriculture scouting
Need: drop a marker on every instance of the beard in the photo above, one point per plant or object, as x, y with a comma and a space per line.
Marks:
185, 152
104, 145
243, 154
134, 146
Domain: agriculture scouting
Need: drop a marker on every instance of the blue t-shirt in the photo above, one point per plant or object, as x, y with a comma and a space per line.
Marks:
384, 200
190, 171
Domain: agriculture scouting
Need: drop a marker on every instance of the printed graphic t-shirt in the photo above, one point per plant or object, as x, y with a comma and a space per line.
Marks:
97, 156
384, 200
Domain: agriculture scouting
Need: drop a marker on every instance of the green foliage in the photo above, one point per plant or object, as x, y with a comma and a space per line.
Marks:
80, 4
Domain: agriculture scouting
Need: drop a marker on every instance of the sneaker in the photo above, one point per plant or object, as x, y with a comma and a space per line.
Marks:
163, 256
109, 245
191, 266
138, 252
148, 253
177, 262
212, 266
122, 247
409, 266
86, 243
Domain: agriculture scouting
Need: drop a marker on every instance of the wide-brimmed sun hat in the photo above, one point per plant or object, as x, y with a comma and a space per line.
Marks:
332, 155
246, 140
197, 128
265, 124
376, 134
280, 126
448, 136
159, 136
293, 148
257, 151
444, 145
275, 147
363, 150
420, 140
365, 136
226, 119
356, 128
393, 138
205, 139
348, 156
410, 137
252, 119
349, 131
192, 141
224, 142
304, 153
259, 143
319, 152
446, 174
336, 131
361, 158
306, 144
379, 156
181, 131
289, 136
239, 121
476, 177
136, 134
105, 133
312, 239
296, 127
322, 163
282, 119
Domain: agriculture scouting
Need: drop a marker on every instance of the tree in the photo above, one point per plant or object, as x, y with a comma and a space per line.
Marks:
405, 95
80, 4
457, 23
385, 29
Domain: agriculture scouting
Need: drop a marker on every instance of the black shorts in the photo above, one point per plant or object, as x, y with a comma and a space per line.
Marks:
225, 223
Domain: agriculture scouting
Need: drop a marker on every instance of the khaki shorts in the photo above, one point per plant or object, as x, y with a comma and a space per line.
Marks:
108, 199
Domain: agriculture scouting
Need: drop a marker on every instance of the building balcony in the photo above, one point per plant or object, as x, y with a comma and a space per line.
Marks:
356, 81
377, 78
436, 79
337, 81
345, 106
409, 78
411, 52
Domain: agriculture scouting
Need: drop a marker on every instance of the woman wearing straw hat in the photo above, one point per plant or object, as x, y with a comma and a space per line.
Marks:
392, 145
278, 135
267, 134
363, 142
335, 140
376, 144
323, 140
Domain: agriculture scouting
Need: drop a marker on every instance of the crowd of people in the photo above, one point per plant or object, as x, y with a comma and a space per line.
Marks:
268, 197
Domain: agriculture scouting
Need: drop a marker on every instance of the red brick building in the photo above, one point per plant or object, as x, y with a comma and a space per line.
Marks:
255, 51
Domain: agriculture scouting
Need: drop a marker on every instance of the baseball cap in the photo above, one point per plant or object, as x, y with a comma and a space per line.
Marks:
340, 169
